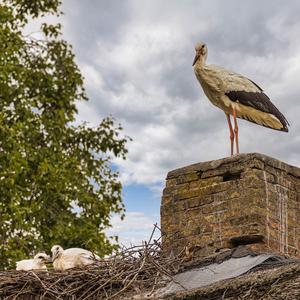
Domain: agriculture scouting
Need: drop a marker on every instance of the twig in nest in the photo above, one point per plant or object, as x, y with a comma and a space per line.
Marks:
137, 268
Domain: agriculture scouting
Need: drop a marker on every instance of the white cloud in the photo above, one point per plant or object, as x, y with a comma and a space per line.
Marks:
136, 58
140, 72
135, 228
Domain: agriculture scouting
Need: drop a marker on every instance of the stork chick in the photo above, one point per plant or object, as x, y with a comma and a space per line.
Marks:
37, 263
236, 95
71, 258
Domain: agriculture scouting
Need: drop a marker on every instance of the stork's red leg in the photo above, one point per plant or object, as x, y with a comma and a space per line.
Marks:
231, 133
236, 131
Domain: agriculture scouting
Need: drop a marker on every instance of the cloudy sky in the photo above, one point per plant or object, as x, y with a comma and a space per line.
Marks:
137, 56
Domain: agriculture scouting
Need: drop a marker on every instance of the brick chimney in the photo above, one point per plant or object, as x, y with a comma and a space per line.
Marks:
248, 199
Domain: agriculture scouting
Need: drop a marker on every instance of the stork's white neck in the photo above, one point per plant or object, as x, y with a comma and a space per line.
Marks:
200, 62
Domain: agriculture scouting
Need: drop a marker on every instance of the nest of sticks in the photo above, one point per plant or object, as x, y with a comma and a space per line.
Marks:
138, 270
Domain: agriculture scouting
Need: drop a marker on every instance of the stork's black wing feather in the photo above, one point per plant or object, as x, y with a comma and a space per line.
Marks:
259, 101
256, 85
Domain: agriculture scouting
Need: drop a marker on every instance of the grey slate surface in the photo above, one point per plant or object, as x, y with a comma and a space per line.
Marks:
199, 277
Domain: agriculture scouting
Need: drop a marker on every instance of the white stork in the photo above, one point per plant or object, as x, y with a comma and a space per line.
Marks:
236, 95
71, 258
37, 263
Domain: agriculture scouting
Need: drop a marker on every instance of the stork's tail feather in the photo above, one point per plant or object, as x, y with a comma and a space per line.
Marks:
271, 121
285, 125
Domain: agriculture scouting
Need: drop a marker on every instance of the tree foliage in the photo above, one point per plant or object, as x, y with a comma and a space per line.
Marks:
57, 185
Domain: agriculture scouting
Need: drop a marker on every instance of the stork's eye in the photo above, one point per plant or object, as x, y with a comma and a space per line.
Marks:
41, 257
57, 248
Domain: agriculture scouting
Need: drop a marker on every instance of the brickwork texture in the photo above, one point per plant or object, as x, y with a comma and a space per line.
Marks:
246, 199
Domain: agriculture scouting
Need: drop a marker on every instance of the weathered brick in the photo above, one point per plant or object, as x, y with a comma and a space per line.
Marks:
192, 176
166, 200
171, 182
199, 201
207, 205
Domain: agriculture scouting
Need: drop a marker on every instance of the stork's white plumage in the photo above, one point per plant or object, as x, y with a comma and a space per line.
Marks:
71, 258
236, 95
37, 263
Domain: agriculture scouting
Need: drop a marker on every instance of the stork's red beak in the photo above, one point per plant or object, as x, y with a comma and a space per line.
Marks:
196, 57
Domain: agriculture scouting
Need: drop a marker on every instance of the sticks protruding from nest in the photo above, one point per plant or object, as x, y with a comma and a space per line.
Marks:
135, 270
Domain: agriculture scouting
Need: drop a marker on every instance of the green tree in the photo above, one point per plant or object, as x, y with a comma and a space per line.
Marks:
57, 185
